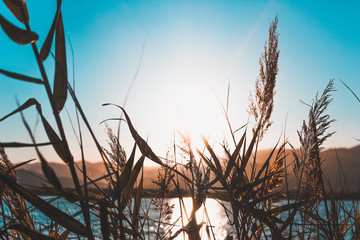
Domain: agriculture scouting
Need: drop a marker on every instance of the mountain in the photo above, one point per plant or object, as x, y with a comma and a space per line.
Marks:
341, 167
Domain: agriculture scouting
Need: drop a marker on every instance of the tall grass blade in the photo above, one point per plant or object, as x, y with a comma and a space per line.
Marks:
49, 172
30, 102
234, 156
53, 137
21, 145
21, 77
55, 141
139, 190
46, 47
214, 157
131, 181
344, 226
125, 174
60, 81
266, 163
52, 212
18, 35
32, 234
357, 98
249, 150
64, 235
105, 228
19, 9
20, 164
144, 147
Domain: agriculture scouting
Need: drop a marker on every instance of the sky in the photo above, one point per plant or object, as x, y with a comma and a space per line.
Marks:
180, 57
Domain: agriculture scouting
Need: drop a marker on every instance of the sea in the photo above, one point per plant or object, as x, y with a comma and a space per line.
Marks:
217, 223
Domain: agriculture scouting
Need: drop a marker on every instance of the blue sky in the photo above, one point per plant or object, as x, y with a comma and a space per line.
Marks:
191, 51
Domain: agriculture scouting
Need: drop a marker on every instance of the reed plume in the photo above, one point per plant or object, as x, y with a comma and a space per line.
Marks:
14, 201
262, 104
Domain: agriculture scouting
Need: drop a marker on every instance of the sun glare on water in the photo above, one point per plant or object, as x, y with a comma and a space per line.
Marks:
213, 211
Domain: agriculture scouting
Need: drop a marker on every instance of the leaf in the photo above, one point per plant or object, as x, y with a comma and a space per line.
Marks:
357, 221
52, 212
19, 9
144, 147
104, 221
267, 162
18, 35
282, 208
72, 196
48, 171
209, 164
29, 232
20, 164
60, 81
219, 196
125, 174
131, 182
64, 235
344, 226
21, 77
53, 137
138, 194
234, 155
55, 140
213, 155
46, 47
28, 103
20, 145
249, 150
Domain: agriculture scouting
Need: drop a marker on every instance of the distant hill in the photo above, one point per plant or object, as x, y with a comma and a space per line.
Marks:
343, 162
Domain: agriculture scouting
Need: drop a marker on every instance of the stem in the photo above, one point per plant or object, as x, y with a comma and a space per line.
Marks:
85, 209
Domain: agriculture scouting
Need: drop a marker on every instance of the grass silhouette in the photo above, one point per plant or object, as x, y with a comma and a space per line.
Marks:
231, 176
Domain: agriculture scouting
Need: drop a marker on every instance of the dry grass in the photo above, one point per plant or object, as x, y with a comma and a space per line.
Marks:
252, 195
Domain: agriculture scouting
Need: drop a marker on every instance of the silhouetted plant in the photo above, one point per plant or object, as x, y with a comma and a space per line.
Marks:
232, 178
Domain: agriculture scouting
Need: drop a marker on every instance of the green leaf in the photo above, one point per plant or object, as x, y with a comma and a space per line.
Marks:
52, 212
60, 81
18, 35
19, 9
21, 77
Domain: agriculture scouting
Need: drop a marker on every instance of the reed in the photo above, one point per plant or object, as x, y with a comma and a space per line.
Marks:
230, 176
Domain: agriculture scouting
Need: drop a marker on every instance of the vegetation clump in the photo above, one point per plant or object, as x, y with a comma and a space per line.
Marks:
248, 191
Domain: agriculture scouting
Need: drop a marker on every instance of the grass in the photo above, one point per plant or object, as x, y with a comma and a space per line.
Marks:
248, 191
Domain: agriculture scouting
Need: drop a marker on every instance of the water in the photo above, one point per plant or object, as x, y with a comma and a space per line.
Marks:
218, 226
